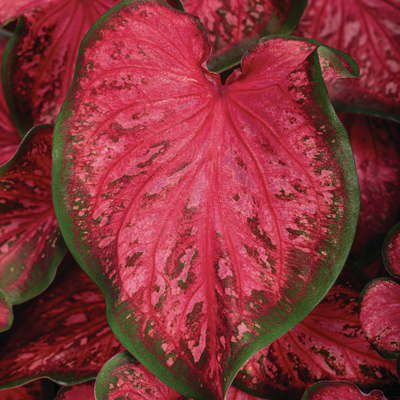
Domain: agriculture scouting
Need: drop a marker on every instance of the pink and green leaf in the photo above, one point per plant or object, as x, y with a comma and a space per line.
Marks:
39, 61
233, 26
391, 251
6, 314
9, 137
62, 334
340, 391
82, 391
213, 218
328, 344
31, 245
368, 31
376, 147
380, 316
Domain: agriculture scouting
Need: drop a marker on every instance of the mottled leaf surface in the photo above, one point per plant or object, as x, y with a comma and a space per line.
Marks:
235, 25
31, 245
328, 344
9, 137
368, 30
40, 58
6, 315
82, 391
391, 251
340, 391
380, 316
62, 334
376, 148
213, 217
41, 389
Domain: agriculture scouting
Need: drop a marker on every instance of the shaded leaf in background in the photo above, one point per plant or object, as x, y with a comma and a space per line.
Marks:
380, 316
62, 334
6, 314
31, 242
328, 344
214, 218
340, 391
233, 26
391, 251
368, 30
41, 389
40, 58
376, 147
9, 137
82, 391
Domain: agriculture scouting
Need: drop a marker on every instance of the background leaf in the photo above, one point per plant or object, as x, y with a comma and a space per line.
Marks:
82, 391
391, 251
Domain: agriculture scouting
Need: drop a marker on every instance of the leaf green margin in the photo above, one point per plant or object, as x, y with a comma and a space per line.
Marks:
44, 283
5, 301
385, 249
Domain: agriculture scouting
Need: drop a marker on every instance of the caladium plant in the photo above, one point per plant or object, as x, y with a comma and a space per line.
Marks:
213, 215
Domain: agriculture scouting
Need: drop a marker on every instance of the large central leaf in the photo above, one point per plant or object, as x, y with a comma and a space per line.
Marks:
214, 218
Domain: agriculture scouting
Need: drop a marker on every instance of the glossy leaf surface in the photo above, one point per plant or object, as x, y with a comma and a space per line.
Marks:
367, 30
9, 137
380, 316
391, 251
31, 242
62, 334
340, 391
328, 344
82, 391
6, 315
41, 389
212, 217
376, 147
40, 59
233, 26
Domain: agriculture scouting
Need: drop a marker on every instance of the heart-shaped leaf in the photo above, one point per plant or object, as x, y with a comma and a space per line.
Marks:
82, 391
213, 218
380, 316
62, 334
233, 26
340, 391
391, 251
9, 137
31, 242
376, 147
327, 345
40, 58
368, 30
6, 314
42, 389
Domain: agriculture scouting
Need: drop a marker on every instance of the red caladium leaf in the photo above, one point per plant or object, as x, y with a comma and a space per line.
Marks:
368, 30
376, 148
9, 137
391, 251
380, 316
40, 58
328, 344
340, 391
214, 218
233, 26
6, 315
41, 389
31, 245
62, 334
83, 391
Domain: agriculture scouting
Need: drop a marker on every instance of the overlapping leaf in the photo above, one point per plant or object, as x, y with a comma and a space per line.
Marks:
40, 59
62, 334
214, 218
31, 242
234, 26
41, 389
340, 391
82, 391
6, 315
328, 344
376, 147
380, 316
391, 251
9, 137
368, 30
